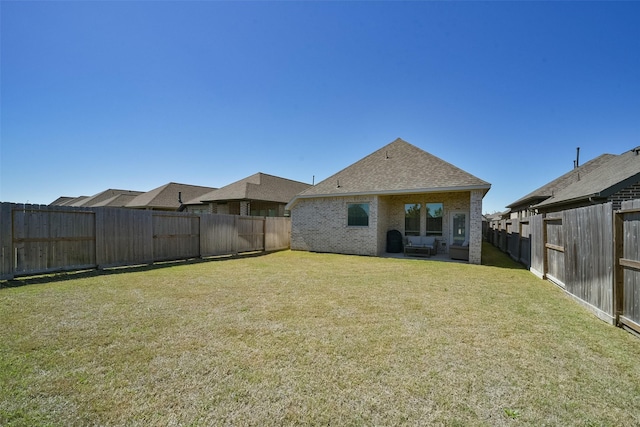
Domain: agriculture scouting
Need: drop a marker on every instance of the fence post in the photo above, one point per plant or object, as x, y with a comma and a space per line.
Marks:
6, 242
618, 271
545, 250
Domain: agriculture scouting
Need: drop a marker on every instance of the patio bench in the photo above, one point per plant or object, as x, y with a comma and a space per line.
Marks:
420, 245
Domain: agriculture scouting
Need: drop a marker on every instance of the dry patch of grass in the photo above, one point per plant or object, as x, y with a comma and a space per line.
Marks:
295, 338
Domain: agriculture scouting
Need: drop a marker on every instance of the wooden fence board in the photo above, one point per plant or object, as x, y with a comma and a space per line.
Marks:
250, 234
588, 237
175, 236
124, 237
50, 239
536, 225
277, 233
524, 247
218, 235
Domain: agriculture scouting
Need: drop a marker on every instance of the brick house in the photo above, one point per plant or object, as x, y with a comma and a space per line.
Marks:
607, 178
257, 195
398, 187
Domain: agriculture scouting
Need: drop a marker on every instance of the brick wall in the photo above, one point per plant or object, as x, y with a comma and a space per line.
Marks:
321, 224
629, 193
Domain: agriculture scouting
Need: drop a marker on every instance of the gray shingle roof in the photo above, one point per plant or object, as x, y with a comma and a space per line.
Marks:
100, 198
166, 196
398, 167
117, 201
62, 201
561, 182
259, 186
615, 174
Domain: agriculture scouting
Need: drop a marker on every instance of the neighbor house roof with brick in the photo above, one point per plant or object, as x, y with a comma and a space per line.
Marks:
259, 186
397, 168
617, 173
549, 189
167, 196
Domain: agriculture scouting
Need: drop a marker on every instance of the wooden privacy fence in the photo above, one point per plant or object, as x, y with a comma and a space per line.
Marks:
37, 239
593, 253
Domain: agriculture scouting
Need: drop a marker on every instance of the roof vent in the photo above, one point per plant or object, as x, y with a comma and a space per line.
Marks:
636, 150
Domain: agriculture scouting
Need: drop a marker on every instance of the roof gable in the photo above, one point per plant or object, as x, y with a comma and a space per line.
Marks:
398, 167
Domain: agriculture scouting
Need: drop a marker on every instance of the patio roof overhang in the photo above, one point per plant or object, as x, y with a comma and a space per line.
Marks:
484, 188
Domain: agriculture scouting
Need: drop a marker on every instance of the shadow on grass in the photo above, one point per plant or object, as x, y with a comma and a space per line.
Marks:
95, 272
493, 257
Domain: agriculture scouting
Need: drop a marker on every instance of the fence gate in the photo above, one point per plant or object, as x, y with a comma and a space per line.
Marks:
627, 265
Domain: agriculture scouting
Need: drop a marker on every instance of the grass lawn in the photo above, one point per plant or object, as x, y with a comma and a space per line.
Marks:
296, 338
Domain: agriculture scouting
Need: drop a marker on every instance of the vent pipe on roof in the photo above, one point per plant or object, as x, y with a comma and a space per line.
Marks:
182, 207
576, 162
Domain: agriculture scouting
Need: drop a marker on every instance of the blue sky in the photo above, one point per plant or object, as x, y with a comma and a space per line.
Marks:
133, 95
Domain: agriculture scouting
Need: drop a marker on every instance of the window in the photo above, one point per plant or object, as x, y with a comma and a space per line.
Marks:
412, 219
434, 219
358, 214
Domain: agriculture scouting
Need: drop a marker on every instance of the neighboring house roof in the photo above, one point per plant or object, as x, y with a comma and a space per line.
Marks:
397, 168
61, 201
166, 196
496, 216
540, 194
68, 201
617, 173
100, 198
118, 201
259, 186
